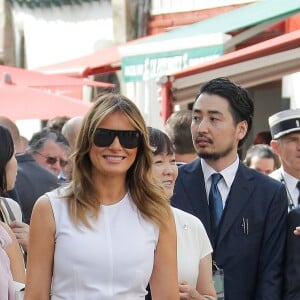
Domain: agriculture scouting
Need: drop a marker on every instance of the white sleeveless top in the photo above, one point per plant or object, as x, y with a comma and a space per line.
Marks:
114, 261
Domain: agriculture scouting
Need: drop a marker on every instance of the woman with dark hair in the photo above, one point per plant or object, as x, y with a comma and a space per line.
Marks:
8, 173
10, 211
193, 246
110, 231
7, 158
11, 260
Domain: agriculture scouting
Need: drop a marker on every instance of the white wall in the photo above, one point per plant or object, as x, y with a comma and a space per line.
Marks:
172, 6
146, 96
57, 34
291, 89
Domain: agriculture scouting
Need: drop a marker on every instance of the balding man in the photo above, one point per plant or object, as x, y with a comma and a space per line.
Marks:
70, 131
15, 134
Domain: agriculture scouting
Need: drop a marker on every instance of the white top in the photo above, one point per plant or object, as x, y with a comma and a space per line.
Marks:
6, 281
114, 261
192, 245
290, 182
14, 206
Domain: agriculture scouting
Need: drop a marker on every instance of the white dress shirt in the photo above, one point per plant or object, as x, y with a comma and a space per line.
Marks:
291, 184
225, 183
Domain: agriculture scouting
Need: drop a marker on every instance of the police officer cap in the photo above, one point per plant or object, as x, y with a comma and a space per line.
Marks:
284, 122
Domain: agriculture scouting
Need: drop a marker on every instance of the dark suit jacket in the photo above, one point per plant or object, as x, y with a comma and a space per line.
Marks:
292, 267
33, 180
253, 262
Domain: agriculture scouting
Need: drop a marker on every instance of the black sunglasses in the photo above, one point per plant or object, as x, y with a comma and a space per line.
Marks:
128, 138
53, 160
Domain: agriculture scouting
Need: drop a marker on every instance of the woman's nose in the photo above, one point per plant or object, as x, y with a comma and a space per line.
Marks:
115, 144
168, 169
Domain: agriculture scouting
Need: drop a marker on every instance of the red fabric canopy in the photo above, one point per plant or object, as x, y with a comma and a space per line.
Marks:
102, 61
20, 103
59, 84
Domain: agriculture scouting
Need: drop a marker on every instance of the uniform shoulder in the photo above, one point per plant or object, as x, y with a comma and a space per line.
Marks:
276, 174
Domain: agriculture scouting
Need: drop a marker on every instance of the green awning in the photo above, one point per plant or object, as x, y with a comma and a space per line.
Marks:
185, 47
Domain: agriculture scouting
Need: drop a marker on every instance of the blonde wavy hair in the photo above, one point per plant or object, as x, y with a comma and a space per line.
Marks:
81, 194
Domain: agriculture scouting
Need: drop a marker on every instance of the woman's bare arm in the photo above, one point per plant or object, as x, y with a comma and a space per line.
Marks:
40, 251
205, 282
15, 255
164, 279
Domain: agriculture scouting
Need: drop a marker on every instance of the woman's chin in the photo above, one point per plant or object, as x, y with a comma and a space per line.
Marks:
169, 192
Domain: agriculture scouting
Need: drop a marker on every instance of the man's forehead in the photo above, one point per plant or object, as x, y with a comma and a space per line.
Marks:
210, 104
294, 134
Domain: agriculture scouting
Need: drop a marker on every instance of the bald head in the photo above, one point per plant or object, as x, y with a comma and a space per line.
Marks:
14, 131
71, 130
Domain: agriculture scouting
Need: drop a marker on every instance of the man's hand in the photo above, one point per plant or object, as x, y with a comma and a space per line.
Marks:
21, 231
297, 230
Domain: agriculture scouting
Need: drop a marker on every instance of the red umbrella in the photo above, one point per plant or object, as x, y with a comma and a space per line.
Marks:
19, 103
60, 84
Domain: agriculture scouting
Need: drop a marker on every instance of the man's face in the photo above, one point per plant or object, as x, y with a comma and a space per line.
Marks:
262, 164
288, 149
52, 156
215, 135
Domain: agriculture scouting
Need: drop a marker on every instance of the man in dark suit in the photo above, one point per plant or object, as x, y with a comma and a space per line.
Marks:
33, 181
292, 266
248, 230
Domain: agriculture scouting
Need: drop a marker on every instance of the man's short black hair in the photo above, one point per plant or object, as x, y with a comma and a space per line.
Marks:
240, 102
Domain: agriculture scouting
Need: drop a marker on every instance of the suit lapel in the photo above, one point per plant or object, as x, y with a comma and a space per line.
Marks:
240, 192
193, 181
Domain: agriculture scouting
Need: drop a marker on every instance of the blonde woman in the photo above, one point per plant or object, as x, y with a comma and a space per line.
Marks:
111, 230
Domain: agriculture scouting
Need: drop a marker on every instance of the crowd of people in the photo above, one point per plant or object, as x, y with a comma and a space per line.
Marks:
104, 207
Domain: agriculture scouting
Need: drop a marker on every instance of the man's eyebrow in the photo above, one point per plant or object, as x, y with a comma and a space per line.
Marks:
215, 112
196, 111
210, 112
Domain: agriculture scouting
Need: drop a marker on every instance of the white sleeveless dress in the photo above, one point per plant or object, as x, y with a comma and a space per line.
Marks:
114, 261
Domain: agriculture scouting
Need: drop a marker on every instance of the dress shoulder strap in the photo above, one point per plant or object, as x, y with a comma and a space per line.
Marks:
6, 211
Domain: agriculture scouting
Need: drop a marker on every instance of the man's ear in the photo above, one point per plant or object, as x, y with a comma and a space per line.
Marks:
275, 146
242, 129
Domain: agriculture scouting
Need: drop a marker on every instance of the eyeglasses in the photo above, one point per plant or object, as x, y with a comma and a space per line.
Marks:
53, 160
128, 138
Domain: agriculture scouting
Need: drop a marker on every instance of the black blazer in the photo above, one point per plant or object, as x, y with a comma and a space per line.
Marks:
33, 181
252, 261
292, 266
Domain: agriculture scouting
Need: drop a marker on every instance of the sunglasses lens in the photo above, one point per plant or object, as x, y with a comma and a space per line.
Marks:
51, 160
63, 163
128, 138
103, 137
